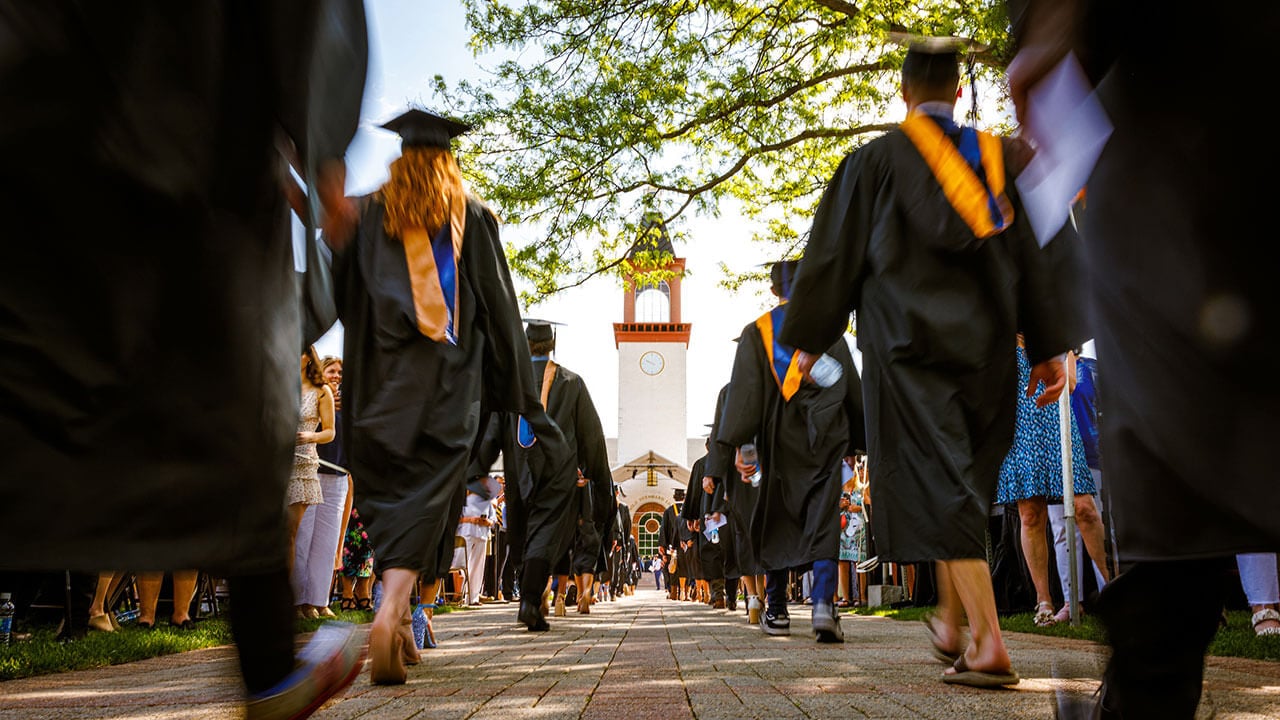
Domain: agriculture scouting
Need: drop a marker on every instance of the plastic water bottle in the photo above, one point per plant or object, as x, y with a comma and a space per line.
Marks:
419, 625
6, 618
752, 458
715, 535
826, 371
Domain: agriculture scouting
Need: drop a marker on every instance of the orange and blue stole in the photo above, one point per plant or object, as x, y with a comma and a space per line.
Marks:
783, 360
970, 171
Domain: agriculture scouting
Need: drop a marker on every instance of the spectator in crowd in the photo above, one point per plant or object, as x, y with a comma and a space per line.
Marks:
356, 574
1261, 590
100, 616
315, 426
1031, 477
184, 589
1084, 406
318, 544
940, 282
475, 526
853, 534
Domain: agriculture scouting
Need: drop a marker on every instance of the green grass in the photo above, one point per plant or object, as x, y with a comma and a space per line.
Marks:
1235, 640
44, 654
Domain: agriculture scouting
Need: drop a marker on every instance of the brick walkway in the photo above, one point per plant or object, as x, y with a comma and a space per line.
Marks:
640, 658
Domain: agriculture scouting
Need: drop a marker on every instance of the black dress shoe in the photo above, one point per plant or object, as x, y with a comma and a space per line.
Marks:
531, 616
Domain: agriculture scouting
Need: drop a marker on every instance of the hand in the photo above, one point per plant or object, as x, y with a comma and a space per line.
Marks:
1053, 374
804, 363
693, 525
1050, 30
305, 438
708, 485
743, 469
340, 215
715, 517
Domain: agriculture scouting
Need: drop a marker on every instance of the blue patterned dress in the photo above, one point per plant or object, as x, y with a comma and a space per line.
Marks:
1033, 467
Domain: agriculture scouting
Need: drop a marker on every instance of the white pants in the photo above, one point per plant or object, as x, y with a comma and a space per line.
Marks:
1060, 549
1258, 578
475, 568
316, 546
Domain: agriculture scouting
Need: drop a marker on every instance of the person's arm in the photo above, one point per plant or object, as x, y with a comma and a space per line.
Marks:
324, 406
327, 431
1045, 31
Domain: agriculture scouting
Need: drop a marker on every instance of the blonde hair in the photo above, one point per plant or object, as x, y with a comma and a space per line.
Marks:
424, 181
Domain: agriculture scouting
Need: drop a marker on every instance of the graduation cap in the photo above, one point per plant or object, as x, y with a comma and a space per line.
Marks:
540, 331
678, 493
781, 273
419, 128
934, 58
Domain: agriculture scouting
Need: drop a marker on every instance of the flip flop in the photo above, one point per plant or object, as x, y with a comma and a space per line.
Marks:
979, 679
939, 651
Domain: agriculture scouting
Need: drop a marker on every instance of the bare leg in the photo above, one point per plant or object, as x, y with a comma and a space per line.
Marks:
98, 619
148, 596
969, 581
296, 512
386, 652
842, 584
1089, 522
1035, 547
950, 611
586, 584
184, 588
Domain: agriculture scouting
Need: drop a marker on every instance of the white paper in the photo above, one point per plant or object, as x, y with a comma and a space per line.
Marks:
709, 524
1069, 128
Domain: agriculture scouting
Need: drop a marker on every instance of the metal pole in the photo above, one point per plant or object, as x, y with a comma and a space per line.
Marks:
1068, 499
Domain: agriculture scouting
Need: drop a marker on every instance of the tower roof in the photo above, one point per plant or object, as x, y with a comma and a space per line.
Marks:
653, 236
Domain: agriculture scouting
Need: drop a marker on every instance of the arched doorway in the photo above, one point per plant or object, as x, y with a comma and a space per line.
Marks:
647, 521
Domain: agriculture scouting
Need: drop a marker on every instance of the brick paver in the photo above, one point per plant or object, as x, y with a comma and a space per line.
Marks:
640, 658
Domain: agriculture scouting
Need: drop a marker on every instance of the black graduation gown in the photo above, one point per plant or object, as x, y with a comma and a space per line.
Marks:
1186, 312
413, 406
800, 442
149, 314
670, 534
739, 498
591, 515
937, 312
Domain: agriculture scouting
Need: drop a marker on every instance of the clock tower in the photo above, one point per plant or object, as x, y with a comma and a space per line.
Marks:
653, 345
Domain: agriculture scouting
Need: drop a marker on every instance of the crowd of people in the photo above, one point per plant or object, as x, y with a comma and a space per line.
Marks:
161, 348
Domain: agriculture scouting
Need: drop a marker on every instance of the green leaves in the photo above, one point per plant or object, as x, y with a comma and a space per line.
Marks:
608, 109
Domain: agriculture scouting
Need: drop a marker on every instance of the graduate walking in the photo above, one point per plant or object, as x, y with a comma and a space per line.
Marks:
432, 334
921, 233
802, 432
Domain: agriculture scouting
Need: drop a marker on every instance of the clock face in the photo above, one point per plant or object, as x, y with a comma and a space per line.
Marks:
651, 363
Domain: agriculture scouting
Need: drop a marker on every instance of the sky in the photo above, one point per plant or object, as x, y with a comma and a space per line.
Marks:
413, 40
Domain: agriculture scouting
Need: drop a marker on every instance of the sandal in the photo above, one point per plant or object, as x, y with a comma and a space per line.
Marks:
964, 675
1045, 615
347, 604
1262, 616
364, 604
940, 651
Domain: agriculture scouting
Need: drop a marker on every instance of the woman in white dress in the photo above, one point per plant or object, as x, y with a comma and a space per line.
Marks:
304, 486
